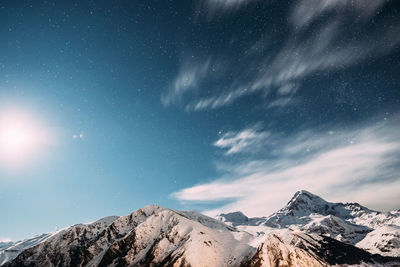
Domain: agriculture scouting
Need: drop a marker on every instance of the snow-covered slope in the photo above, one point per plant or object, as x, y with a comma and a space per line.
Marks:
284, 247
238, 218
10, 250
384, 240
334, 227
350, 222
303, 204
307, 232
279, 249
8, 253
149, 236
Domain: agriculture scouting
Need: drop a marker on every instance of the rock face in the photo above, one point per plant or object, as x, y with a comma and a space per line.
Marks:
307, 232
294, 248
277, 250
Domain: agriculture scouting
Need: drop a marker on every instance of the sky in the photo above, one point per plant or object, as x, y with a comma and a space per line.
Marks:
208, 105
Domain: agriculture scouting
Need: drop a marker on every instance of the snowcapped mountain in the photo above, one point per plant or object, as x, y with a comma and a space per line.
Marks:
350, 223
384, 240
284, 247
238, 218
10, 250
307, 232
303, 204
149, 236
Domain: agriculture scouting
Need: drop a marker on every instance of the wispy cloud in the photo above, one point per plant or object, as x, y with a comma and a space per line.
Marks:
327, 46
247, 140
306, 11
297, 60
361, 165
189, 76
213, 7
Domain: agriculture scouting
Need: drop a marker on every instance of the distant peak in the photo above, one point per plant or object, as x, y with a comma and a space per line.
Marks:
234, 217
235, 213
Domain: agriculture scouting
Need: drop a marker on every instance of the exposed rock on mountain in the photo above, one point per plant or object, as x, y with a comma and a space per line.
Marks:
10, 250
350, 223
384, 240
307, 232
149, 236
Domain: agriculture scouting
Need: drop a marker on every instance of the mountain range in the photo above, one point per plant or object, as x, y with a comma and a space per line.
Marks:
308, 231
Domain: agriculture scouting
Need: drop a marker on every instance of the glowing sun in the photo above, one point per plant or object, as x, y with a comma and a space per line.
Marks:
22, 137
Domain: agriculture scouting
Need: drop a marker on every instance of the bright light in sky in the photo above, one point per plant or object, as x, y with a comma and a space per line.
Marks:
22, 138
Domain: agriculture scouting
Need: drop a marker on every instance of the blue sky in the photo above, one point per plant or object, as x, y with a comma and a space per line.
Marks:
207, 105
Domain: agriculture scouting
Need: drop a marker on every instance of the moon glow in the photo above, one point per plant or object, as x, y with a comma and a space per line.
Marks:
22, 138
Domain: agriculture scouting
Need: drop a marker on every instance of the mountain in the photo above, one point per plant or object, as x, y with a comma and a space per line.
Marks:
303, 204
150, 236
10, 250
238, 218
293, 248
157, 236
384, 240
350, 223
8, 253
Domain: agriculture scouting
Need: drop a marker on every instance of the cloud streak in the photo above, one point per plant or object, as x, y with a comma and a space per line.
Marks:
321, 39
188, 79
214, 7
306, 11
361, 165
246, 140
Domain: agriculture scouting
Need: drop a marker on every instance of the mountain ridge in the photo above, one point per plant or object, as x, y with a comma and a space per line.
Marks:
158, 236
346, 222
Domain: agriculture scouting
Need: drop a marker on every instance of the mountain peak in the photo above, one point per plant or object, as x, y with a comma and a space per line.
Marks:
305, 193
304, 200
236, 218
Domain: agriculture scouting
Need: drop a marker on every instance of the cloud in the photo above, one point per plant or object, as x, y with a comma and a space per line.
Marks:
306, 11
360, 164
309, 48
281, 102
213, 7
297, 60
188, 78
238, 142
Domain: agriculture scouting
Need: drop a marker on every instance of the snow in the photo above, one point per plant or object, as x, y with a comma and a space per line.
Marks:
384, 240
350, 222
10, 251
164, 236
278, 250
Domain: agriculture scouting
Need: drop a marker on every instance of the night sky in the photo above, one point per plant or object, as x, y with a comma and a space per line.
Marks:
210, 105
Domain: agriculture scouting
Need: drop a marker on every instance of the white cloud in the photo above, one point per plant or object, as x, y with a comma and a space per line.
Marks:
319, 48
188, 78
361, 165
321, 52
305, 11
288, 88
238, 142
213, 7
281, 102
